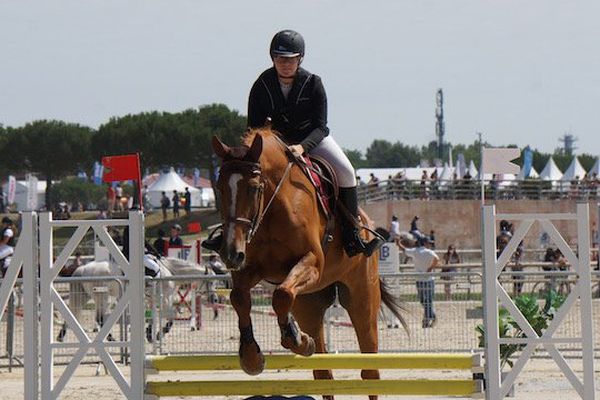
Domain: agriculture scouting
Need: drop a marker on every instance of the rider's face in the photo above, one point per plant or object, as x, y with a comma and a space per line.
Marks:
286, 66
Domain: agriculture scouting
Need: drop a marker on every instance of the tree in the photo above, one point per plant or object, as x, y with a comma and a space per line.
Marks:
53, 148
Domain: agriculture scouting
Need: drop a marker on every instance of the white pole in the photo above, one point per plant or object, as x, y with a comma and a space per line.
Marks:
490, 303
136, 305
46, 307
30, 303
587, 326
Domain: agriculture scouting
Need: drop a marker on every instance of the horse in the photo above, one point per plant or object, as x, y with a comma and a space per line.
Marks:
104, 293
274, 230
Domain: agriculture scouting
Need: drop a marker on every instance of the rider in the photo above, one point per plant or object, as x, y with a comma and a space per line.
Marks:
7, 243
295, 101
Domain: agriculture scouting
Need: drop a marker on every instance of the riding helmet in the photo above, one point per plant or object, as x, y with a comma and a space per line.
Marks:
287, 43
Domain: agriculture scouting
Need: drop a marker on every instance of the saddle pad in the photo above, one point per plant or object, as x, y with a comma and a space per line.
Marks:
316, 179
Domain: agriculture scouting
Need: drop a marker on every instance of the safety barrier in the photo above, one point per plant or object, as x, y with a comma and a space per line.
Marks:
449, 387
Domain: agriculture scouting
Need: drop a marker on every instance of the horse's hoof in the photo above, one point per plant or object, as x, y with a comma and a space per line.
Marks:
308, 346
254, 366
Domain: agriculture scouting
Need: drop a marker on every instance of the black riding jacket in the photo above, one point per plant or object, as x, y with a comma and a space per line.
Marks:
301, 119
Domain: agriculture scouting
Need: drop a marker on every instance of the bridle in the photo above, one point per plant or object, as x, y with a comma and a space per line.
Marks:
256, 170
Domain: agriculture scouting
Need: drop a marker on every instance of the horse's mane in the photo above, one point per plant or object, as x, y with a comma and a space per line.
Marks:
266, 132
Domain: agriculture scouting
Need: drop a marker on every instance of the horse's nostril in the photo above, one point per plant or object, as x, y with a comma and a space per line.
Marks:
239, 257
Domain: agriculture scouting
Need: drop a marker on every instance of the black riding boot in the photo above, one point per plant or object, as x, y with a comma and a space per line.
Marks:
353, 243
213, 242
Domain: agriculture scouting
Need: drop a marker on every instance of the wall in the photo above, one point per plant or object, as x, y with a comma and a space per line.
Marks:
458, 222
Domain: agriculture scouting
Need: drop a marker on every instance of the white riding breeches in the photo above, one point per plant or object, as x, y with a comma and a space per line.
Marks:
6, 250
333, 153
151, 264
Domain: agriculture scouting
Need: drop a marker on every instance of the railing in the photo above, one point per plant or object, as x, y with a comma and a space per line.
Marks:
395, 189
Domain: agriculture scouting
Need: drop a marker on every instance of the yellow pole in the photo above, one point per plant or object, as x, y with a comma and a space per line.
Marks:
316, 361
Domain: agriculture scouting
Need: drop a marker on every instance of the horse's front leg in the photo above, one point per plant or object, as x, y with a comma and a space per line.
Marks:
304, 276
252, 359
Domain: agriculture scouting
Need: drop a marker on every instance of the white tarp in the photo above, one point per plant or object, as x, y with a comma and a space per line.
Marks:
169, 181
574, 172
550, 171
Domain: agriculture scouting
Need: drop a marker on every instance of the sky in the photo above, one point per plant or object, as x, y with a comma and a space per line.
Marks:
519, 72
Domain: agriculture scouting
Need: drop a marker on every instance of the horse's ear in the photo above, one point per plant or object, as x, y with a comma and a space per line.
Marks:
220, 148
255, 148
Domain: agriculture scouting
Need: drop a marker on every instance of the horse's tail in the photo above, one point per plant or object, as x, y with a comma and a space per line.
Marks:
393, 303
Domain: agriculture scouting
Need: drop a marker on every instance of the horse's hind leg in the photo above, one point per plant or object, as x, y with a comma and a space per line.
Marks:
309, 311
252, 359
303, 276
361, 298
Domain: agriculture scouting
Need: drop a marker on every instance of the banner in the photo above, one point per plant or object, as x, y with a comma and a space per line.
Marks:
12, 189
98, 171
527, 162
32, 198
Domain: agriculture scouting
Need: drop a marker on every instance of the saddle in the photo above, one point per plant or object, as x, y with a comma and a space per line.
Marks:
320, 173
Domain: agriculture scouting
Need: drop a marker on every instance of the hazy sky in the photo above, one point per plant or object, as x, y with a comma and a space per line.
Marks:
522, 72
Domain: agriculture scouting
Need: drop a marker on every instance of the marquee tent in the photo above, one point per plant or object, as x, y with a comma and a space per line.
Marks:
574, 172
550, 171
169, 181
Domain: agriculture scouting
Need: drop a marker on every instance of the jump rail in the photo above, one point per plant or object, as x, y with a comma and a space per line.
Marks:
449, 387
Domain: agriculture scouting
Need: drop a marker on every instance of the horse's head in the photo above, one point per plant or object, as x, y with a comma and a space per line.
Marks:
240, 187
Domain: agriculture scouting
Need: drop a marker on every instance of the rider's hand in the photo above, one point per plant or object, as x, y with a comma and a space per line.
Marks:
296, 149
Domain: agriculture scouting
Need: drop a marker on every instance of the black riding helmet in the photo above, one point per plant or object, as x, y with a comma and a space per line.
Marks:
287, 43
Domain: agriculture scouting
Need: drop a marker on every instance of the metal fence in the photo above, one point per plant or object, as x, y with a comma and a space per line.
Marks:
396, 189
203, 320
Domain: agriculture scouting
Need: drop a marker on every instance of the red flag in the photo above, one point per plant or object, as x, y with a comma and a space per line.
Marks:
121, 168
124, 168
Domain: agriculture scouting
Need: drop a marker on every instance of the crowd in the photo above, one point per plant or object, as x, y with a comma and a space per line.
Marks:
431, 187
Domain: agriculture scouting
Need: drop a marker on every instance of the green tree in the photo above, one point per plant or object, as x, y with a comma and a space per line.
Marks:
52, 148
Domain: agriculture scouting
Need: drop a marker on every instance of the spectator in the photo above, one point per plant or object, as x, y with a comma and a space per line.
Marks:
414, 229
451, 257
2, 203
102, 215
373, 184
395, 230
7, 243
433, 178
145, 197
188, 201
111, 198
424, 190
165, 203
119, 196
175, 200
425, 261
175, 239
161, 243
432, 239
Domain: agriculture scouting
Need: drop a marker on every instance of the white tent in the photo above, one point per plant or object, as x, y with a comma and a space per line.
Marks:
446, 175
473, 170
595, 169
532, 174
169, 181
550, 171
21, 194
574, 172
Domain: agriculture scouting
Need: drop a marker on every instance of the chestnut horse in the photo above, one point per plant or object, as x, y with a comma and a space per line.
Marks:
273, 230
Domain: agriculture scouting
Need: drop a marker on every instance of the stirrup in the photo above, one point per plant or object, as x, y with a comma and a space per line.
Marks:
357, 245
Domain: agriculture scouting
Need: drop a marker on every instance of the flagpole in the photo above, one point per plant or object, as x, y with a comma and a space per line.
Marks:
482, 172
139, 182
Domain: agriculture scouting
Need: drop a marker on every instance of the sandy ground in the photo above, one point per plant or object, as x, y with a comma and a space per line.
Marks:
541, 379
